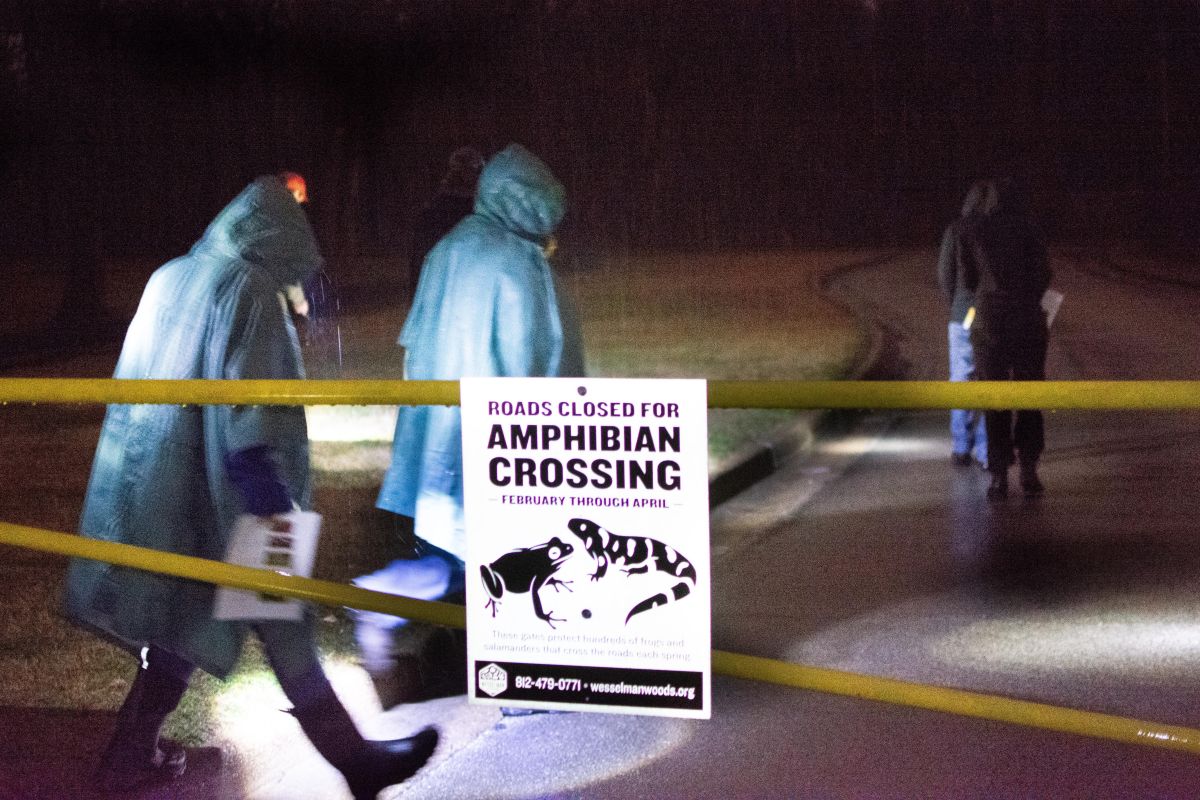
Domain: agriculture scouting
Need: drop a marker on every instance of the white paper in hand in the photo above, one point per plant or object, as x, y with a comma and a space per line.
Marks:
1051, 302
285, 543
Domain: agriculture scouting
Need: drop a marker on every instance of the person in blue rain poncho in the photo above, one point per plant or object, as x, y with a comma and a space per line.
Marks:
175, 478
487, 305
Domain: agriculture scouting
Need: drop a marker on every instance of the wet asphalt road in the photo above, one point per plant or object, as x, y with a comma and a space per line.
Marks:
875, 555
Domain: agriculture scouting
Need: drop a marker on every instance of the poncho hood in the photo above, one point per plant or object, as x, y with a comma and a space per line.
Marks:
980, 199
264, 225
517, 190
1010, 197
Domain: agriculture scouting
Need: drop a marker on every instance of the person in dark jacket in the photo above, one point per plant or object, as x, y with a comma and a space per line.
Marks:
455, 199
176, 477
968, 435
1004, 262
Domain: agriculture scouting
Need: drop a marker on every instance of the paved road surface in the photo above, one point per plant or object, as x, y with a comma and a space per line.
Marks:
876, 555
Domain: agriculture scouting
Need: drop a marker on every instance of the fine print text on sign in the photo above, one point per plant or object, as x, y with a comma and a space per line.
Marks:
588, 582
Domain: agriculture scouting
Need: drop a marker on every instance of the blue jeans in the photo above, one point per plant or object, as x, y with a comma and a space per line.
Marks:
967, 434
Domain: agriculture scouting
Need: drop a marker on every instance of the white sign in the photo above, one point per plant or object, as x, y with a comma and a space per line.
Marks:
588, 581
285, 543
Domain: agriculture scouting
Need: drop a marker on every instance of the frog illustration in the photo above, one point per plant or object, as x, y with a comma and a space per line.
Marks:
527, 569
635, 555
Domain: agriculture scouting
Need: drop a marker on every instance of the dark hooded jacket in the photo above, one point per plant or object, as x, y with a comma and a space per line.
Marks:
436, 219
1003, 260
981, 194
158, 479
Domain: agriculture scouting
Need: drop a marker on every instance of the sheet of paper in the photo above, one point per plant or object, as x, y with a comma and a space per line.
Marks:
285, 543
1051, 302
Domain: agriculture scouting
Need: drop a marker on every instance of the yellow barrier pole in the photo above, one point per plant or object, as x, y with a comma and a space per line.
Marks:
1046, 395
267, 581
213, 392
867, 687
959, 702
1107, 395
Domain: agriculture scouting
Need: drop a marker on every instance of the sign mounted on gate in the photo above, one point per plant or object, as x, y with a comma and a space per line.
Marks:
586, 510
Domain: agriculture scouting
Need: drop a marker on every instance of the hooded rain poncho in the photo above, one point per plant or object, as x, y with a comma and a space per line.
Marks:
487, 306
158, 479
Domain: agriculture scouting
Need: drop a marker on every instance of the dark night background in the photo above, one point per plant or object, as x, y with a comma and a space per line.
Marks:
682, 124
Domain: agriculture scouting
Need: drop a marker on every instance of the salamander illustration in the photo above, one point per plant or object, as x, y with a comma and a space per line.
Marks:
527, 569
635, 555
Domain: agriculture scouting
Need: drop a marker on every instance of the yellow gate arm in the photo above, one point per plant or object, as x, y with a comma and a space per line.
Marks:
957, 701
328, 593
868, 687
1048, 395
984, 395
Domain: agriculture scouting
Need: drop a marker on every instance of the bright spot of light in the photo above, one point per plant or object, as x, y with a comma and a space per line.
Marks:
351, 423
250, 709
539, 756
1113, 641
515, 758
910, 446
277, 761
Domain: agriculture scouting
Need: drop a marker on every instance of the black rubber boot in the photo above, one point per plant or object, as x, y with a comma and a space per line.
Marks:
438, 668
395, 674
998, 488
444, 663
136, 757
1030, 484
368, 766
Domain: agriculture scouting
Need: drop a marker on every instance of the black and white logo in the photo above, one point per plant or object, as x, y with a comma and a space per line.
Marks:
492, 679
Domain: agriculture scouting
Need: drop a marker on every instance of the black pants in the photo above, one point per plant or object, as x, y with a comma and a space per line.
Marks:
1015, 352
290, 649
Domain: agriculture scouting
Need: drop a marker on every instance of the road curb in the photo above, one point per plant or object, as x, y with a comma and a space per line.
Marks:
763, 459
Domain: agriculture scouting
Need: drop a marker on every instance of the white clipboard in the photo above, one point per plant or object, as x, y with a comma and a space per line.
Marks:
285, 543
1051, 302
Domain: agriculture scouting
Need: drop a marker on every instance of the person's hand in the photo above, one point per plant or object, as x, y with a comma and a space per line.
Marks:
253, 474
296, 299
